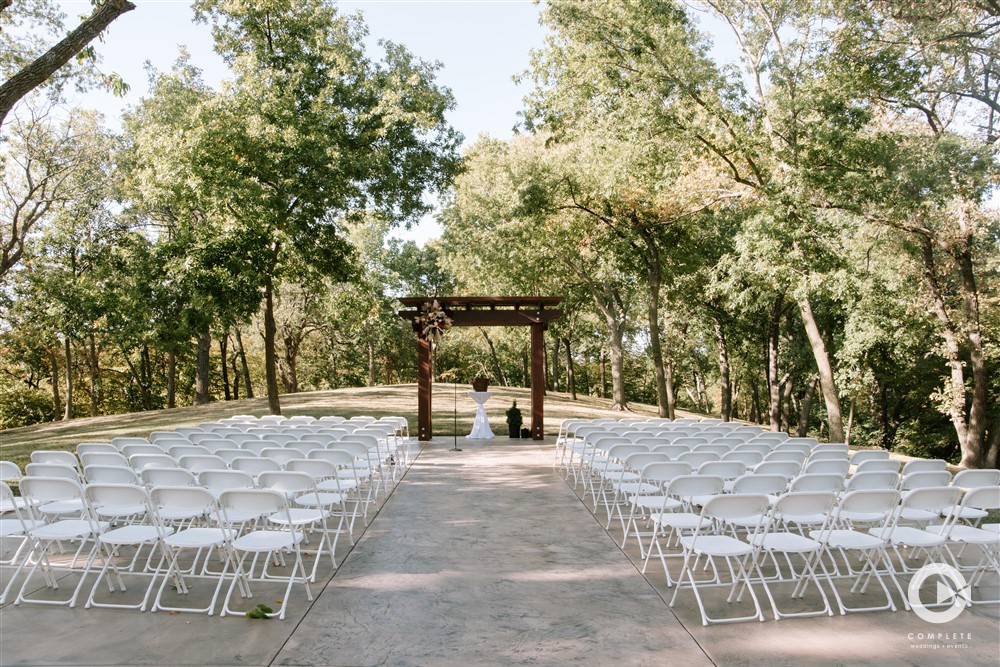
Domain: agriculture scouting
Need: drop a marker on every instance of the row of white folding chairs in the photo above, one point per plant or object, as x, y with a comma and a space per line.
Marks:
817, 526
246, 526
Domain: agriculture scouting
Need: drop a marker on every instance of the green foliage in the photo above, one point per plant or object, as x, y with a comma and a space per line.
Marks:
24, 406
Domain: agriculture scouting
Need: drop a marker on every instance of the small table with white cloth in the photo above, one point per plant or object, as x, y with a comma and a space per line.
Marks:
481, 426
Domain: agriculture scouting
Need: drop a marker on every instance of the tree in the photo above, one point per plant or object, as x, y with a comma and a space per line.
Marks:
26, 72
311, 132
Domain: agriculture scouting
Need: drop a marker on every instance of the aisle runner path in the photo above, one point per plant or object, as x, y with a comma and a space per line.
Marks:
486, 557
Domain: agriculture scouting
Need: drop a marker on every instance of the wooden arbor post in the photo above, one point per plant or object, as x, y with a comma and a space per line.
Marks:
489, 311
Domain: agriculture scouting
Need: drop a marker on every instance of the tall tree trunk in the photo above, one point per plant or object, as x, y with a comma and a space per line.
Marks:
850, 422
171, 379
243, 363
291, 375
554, 374
773, 383
654, 273
805, 407
372, 371
570, 371
976, 451
754, 403
68, 351
725, 388
787, 389
54, 374
603, 388
146, 373
501, 377
94, 364
224, 356
827, 382
993, 443
525, 367
270, 356
668, 372
201, 376
236, 377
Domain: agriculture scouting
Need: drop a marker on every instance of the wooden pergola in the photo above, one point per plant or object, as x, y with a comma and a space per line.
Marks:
486, 311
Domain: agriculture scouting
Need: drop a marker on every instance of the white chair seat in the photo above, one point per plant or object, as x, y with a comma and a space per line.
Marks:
786, 542
133, 534
680, 520
193, 538
266, 540
68, 529
656, 502
909, 536
717, 545
848, 539
13, 527
324, 499
968, 534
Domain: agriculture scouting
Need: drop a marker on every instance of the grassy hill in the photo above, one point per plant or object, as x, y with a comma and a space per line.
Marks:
449, 401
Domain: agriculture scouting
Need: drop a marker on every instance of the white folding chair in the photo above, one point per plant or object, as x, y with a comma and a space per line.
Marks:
987, 541
780, 539
129, 502
839, 537
15, 528
46, 541
203, 540
740, 557
254, 548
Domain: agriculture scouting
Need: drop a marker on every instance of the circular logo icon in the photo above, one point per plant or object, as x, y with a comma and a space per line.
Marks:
951, 588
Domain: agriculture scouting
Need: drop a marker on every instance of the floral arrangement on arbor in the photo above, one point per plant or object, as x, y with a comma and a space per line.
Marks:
433, 321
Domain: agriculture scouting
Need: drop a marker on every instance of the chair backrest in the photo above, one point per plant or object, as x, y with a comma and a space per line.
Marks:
9, 471
104, 459
686, 486
123, 440
803, 503
815, 482
878, 465
868, 501
859, 457
202, 462
238, 439
872, 480
318, 469
279, 439
254, 464
789, 446
839, 467
280, 454
754, 483
91, 447
920, 480
342, 458
356, 450
724, 469
220, 480
153, 476
786, 455
290, 482
41, 490
713, 448
971, 479
673, 451
697, 458
142, 461
193, 500
828, 455
57, 456
240, 502
110, 475
940, 499
131, 496
128, 451
658, 473
772, 438
982, 498
924, 465
787, 468
212, 445
178, 451
747, 458
737, 506
51, 470
690, 440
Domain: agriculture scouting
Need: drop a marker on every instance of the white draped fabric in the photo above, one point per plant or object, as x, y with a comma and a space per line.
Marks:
481, 426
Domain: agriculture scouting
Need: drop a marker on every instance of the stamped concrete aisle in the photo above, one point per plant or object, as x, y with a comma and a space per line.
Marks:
486, 557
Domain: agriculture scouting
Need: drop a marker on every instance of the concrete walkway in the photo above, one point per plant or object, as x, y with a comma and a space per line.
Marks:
486, 557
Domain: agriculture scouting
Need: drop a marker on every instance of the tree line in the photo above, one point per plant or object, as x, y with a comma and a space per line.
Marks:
801, 237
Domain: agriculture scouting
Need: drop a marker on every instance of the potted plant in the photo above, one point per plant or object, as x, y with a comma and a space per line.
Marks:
514, 421
480, 383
